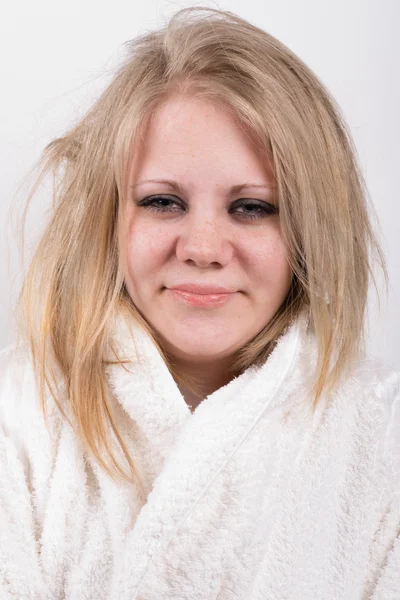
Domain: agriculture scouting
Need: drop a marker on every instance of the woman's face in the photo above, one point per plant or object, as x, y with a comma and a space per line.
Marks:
203, 232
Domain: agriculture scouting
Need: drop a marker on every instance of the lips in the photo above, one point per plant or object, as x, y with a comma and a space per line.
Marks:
200, 300
201, 289
201, 295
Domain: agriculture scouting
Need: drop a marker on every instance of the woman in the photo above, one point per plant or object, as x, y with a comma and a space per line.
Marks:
191, 412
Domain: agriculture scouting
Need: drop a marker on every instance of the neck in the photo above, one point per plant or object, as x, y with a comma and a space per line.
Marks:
207, 378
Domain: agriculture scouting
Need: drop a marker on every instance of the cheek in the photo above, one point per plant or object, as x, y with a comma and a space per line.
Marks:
270, 262
146, 247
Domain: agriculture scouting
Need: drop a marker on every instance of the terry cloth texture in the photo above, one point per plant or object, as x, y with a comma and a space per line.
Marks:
251, 496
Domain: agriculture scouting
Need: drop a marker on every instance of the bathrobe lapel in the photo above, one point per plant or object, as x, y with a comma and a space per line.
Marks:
197, 446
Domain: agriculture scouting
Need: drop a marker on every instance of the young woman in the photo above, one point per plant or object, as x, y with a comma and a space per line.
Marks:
190, 412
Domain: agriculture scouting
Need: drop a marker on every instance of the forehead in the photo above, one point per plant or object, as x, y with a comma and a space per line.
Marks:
188, 137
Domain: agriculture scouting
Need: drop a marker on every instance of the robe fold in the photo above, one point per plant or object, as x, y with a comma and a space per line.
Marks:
251, 496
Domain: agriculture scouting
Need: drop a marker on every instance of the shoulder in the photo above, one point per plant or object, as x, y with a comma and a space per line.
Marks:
17, 379
381, 382
378, 399
21, 414
15, 359
16, 395
374, 371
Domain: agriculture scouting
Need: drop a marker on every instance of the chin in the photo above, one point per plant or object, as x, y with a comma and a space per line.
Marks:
195, 350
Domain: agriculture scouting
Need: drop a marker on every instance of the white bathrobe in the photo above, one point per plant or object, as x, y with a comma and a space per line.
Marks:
249, 497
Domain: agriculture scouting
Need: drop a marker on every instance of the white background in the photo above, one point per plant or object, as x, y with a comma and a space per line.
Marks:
57, 57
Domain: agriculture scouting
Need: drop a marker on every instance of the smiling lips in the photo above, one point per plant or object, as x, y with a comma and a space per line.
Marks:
201, 295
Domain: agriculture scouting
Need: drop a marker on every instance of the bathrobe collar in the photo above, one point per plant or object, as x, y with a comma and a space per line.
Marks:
197, 446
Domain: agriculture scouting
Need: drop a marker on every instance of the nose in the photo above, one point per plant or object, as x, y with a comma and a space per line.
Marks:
205, 242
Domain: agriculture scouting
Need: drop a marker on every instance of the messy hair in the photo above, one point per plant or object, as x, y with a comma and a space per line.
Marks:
75, 285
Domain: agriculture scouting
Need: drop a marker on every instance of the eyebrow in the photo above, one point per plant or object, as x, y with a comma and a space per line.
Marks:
175, 185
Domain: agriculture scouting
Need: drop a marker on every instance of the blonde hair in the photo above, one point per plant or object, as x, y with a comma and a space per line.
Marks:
75, 283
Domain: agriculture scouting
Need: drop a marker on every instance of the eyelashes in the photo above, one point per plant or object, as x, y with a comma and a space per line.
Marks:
258, 208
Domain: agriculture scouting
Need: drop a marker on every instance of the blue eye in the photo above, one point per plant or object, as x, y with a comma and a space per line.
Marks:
165, 204
263, 209
151, 203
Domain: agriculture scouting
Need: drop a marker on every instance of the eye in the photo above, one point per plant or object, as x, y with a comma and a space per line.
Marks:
159, 204
254, 209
